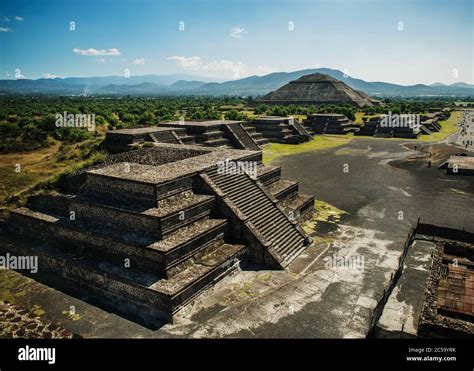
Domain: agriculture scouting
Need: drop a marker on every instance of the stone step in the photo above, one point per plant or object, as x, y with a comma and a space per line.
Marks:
293, 139
250, 129
216, 142
133, 182
297, 206
185, 242
261, 211
253, 196
268, 174
188, 139
157, 256
161, 296
212, 135
263, 141
155, 222
283, 189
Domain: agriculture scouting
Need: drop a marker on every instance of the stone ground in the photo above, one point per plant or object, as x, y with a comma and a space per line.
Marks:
387, 188
402, 311
16, 322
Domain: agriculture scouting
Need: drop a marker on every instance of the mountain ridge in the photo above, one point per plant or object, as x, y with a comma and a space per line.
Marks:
184, 84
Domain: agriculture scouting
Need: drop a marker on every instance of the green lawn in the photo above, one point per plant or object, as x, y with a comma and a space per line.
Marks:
276, 150
448, 127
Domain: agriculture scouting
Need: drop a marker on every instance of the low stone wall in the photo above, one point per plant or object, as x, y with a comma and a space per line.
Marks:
104, 287
445, 232
116, 218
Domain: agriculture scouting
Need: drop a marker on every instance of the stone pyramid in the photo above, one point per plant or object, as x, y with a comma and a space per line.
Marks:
317, 89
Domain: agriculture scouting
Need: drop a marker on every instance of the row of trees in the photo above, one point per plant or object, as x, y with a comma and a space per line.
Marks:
28, 123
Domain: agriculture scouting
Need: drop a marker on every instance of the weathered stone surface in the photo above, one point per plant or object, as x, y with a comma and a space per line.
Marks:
317, 89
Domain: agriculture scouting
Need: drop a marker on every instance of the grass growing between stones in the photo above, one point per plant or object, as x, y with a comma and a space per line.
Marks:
325, 213
275, 150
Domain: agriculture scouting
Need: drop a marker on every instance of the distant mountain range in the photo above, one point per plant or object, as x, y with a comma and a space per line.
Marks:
183, 84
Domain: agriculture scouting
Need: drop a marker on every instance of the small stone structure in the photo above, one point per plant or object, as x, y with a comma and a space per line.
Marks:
328, 123
428, 124
369, 126
448, 310
281, 129
459, 165
154, 227
214, 133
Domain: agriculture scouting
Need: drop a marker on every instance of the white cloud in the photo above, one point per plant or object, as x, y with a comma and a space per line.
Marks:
5, 29
94, 52
237, 32
100, 60
220, 68
18, 18
139, 61
192, 63
49, 76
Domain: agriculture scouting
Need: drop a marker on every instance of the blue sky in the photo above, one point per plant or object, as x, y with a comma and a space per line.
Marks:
232, 39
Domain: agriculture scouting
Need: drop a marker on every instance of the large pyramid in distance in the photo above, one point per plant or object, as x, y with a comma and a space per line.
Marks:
317, 89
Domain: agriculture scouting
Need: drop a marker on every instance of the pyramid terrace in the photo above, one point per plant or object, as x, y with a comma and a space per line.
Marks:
153, 228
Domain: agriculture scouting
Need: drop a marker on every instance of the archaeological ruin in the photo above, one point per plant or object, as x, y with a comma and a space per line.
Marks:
154, 227
249, 135
448, 308
317, 89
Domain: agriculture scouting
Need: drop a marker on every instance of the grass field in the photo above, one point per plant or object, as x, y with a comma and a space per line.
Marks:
41, 166
276, 150
448, 127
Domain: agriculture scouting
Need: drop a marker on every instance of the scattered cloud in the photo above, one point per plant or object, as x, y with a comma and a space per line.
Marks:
95, 52
139, 61
237, 32
5, 19
5, 29
100, 60
192, 63
49, 76
220, 68
18, 18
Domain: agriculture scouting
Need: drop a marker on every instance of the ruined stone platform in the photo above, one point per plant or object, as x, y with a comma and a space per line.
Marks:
156, 227
208, 133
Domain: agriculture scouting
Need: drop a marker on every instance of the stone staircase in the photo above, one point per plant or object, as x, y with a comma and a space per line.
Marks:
301, 130
175, 249
240, 137
294, 204
214, 138
280, 130
257, 137
285, 238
